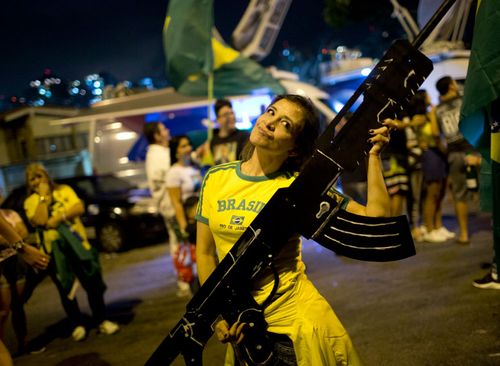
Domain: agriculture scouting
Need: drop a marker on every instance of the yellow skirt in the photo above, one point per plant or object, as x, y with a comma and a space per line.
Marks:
308, 320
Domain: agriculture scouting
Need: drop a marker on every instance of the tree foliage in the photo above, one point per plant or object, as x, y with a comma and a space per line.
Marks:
339, 13
366, 25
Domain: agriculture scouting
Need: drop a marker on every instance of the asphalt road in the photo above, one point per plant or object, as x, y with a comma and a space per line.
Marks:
418, 311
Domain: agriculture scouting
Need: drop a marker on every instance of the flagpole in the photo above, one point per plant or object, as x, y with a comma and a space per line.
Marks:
432, 23
210, 97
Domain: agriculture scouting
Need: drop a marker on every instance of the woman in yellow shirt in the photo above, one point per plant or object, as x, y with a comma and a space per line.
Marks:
434, 169
309, 332
55, 210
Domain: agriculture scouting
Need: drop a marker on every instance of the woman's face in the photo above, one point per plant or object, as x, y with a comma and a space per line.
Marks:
35, 178
184, 148
162, 135
277, 128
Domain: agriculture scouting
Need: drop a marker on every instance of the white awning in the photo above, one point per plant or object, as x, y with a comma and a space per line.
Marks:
139, 104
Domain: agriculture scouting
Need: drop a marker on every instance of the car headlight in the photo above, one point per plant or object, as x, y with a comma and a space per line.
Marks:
145, 206
118, 210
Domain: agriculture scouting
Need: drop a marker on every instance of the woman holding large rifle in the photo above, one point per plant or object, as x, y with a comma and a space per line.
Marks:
304, 328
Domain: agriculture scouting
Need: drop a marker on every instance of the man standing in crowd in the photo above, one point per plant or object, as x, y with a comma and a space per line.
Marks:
460, 152
227, 141
157, 166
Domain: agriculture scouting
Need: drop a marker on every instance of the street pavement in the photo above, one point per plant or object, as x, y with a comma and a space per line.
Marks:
416, 312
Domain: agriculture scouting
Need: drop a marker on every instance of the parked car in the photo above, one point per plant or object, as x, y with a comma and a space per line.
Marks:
118, 215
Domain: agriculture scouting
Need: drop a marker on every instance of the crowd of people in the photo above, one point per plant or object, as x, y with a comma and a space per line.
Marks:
425, 157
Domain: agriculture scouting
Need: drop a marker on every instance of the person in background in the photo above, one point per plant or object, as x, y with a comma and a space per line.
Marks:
394, 160
55, 211
460, 152
433, 171
183, 181
158, 163
491, 279
490, 196
10, 244
300, 320
13, 273
227, 141
415, 176
190, 207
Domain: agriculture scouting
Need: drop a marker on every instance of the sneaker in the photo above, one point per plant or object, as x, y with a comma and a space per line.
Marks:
446, 233
79, 333
417, 234
183, 289
423, 230
108, 327
184, 293
487, 282
434, 237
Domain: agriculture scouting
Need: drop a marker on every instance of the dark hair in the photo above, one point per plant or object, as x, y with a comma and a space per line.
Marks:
149, 130
418, 103
219, 104
304, 141
174, 144
190, 202
443, 85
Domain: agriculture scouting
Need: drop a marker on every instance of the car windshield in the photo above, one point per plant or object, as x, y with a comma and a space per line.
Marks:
105, 184
109, 184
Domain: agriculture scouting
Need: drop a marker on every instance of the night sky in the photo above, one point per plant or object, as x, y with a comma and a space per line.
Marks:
76, 38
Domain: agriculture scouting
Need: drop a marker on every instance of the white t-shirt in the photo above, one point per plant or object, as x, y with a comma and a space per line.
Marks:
157, 166
185, 177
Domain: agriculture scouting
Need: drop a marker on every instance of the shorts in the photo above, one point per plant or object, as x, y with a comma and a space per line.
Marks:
434, 165
458, 175
12, 271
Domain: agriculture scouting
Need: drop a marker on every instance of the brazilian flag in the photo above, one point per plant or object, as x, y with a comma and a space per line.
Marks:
480, 115
186, 39
192, 54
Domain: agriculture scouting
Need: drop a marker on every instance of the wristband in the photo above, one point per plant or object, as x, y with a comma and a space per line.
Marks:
18, 245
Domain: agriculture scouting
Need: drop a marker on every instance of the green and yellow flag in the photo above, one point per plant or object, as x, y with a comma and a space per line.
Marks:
193, 55
480, 115
186, 39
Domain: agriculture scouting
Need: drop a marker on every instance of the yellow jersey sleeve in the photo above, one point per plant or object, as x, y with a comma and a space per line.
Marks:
30, 205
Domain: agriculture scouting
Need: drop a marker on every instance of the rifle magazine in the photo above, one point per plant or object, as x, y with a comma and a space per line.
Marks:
377, 239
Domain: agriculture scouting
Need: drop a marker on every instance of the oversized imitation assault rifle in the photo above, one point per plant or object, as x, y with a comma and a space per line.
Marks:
310, 208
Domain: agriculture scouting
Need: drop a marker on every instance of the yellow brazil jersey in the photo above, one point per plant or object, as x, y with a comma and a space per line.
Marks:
229, 202
63, 198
